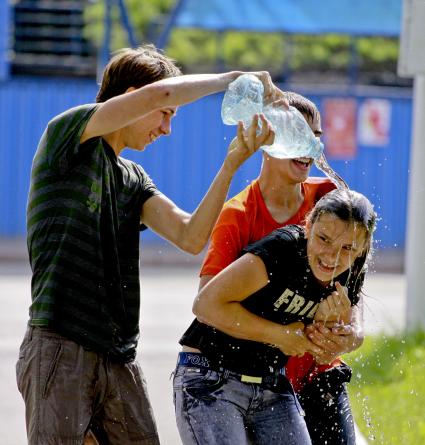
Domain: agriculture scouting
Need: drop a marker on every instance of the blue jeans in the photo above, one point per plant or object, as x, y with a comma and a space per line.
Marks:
327, 407
330, 421
217, 408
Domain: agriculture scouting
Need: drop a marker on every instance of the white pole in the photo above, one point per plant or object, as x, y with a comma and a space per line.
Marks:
415, 247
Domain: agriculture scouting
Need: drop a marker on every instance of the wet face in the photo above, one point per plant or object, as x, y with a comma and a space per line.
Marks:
333, 245
299, 168
149, 128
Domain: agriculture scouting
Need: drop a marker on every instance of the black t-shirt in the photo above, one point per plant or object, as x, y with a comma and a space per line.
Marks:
292, 294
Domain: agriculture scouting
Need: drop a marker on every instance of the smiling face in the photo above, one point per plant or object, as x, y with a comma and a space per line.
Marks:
149, 128
333, 245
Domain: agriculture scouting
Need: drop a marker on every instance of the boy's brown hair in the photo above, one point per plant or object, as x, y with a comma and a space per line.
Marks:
302, 104
135, 68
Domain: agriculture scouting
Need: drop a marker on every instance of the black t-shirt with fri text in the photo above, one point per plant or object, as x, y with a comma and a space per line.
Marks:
292, 294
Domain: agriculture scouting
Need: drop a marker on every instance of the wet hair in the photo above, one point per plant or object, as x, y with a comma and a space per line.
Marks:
135, 68
302, 104
352, 207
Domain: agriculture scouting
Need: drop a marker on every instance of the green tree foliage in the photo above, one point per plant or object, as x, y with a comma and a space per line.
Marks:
146, 16
200, 51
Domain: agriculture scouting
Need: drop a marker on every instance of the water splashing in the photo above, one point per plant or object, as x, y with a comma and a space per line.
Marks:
322, 164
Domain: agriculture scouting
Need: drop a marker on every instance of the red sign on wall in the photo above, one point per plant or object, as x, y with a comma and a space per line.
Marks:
339, 128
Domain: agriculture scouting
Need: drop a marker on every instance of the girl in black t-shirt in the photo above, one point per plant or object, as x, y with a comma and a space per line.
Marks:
229, 384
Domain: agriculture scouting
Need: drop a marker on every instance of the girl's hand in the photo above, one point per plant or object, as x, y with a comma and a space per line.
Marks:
334, 340
293, 341
335, 307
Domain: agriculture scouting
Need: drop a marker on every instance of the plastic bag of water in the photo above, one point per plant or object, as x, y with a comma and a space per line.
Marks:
242, 100
293, 136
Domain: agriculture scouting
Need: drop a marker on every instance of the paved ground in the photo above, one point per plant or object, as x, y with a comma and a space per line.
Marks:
166, 311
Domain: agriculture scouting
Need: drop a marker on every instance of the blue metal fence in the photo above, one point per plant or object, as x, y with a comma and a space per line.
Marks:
184, 164
381, 173
26, 105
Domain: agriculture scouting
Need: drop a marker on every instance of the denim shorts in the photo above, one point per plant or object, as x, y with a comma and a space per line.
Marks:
67, 389
217, 408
